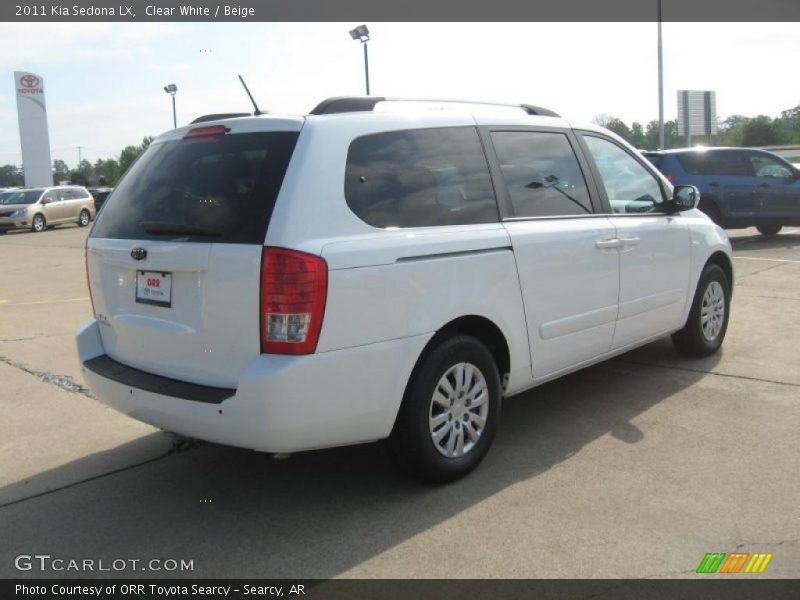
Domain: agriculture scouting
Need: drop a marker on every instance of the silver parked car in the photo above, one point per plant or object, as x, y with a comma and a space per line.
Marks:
38, 208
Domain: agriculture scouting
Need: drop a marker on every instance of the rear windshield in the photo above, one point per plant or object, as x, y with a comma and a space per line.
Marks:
695, 163
210, 189
715, 162
655, 159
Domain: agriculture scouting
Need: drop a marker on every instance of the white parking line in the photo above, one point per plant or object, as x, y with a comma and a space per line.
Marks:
9, 303
778, 260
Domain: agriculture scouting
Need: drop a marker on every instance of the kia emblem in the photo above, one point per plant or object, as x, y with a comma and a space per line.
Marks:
138, 254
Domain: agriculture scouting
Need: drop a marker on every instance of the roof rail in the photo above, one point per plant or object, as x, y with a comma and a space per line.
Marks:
343, 104
218, 116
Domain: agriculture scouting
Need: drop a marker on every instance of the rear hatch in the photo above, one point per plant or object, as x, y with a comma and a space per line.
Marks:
174, 257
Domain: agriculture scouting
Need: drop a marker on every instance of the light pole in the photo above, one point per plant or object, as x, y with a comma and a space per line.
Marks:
172, 89
660, 84
361, 33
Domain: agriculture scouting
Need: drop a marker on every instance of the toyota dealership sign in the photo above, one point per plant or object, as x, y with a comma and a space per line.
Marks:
33, 133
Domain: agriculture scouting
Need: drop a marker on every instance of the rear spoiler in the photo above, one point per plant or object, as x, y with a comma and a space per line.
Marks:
218, 116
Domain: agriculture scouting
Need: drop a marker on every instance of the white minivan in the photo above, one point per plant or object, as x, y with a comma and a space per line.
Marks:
383, 269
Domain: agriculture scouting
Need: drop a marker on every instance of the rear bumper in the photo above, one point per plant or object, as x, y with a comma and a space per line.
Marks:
281, 403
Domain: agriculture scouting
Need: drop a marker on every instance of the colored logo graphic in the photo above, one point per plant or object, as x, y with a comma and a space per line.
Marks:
719, 562
29, 81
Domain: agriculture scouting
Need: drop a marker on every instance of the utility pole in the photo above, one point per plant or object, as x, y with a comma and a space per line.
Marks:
80, 159
366, 66
661, 143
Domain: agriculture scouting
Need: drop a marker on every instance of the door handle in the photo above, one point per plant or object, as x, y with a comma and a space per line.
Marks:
764, 185
606, 243
714, 184
630, 241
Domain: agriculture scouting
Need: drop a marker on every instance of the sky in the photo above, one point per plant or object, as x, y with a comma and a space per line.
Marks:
104, 82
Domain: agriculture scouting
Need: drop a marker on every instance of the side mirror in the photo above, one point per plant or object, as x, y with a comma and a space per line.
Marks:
44, 201
684, 197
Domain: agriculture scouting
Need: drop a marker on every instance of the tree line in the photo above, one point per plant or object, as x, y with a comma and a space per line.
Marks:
104, 172
736, 130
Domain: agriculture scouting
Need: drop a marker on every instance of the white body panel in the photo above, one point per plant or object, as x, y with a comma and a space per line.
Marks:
654, 283
569, 286
208, 335
282, 403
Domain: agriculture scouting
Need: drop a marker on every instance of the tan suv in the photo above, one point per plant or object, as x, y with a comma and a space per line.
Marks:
38, 208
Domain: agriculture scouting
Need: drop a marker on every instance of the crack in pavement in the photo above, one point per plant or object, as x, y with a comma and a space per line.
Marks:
778, 543
33, 337
745, 377
64, 382
178, 445
746, 275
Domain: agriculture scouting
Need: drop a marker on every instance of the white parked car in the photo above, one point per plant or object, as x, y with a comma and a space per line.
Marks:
386, 270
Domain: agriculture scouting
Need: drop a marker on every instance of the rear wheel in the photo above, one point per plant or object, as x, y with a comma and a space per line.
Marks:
769, 229
449, 412
84, 218
708, 320
38, 223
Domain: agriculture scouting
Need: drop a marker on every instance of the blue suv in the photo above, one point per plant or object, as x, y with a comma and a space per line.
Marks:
739, 187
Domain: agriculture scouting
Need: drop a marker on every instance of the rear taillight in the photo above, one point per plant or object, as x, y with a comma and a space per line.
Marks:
670, 177
294, 286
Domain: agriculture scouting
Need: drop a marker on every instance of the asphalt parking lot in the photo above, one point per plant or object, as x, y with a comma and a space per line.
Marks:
633, 468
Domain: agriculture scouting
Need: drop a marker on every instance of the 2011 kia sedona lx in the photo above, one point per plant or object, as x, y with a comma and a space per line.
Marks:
386, 270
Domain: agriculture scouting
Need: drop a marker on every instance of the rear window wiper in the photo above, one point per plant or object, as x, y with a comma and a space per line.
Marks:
161, 228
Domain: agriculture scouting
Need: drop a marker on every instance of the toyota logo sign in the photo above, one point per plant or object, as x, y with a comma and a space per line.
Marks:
29, 81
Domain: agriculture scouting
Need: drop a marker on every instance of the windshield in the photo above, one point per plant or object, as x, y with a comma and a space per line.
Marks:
219, 188
23, 197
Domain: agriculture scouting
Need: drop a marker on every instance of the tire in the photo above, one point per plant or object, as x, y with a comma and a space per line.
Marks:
84, 218
435, 404
769, 229
38, 224
713, 298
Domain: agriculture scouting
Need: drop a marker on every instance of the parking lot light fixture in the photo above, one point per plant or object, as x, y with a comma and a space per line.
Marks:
172, 89
361, 34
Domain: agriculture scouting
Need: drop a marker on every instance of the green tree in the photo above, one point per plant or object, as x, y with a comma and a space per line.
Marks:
10, 176
651, 136
637, 135
787, 126
759, 132
60, 171
619, 127
106, 171
130, 153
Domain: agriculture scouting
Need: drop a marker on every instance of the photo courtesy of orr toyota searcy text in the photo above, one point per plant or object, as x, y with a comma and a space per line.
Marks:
160, 591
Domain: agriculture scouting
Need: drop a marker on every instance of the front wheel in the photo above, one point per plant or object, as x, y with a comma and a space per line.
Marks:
769, 229
84, 218
449, 413
38, 224
708, 319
